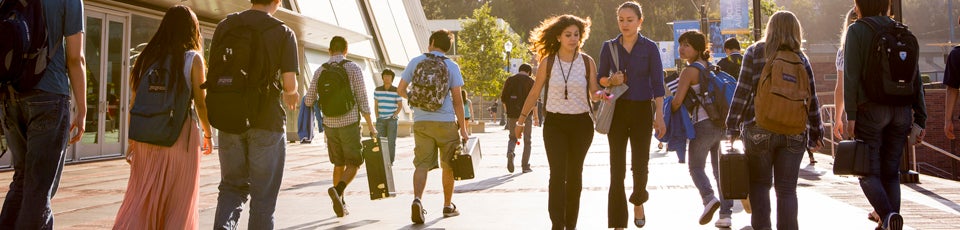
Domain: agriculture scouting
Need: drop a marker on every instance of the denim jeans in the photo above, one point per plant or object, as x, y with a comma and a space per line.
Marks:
36, 125
251, 163
566, 139
387, 127
774, 160
512, 142
707, 139
884, 129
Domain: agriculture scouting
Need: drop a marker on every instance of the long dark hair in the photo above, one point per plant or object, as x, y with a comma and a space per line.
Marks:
544, 37
179, 32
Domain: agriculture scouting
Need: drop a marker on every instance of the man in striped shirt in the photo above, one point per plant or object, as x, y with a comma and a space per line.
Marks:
343, 132
388, 104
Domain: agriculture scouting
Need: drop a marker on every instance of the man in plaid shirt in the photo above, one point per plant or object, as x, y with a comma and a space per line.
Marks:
343, 132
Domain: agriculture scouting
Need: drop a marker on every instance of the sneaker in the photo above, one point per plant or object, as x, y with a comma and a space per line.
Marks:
724, 222
337, 201
451, 211
709, 210
510, 162
417, 213
894, 222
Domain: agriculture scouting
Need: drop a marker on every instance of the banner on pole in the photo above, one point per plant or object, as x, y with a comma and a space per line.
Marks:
735, 16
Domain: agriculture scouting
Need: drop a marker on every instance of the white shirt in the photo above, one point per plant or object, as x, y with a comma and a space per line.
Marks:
576, 100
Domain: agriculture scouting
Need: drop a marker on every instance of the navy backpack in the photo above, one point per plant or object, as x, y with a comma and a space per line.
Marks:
161, 105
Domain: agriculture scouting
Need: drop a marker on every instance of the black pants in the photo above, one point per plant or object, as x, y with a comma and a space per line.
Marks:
633, 121
566, 139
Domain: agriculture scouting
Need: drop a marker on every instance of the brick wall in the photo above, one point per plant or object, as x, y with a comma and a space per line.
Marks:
935, 99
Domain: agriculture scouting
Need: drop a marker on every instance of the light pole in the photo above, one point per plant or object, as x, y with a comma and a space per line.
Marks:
757, 24
508, 47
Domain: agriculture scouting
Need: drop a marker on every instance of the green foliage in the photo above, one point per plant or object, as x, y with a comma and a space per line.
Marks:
482, 55
767, 8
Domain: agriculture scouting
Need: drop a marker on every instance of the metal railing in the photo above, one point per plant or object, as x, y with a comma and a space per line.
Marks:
934, 170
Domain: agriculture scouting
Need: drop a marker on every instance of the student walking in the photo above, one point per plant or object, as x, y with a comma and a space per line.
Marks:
776, 130
882, 116
633, 117
731, 64
389, 104
951, 79
37, 116
252, 139
437, 116
339, 89
565, 74
164, 184
693, 49
513, 95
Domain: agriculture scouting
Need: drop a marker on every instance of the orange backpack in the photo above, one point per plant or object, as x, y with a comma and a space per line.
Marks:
783, 95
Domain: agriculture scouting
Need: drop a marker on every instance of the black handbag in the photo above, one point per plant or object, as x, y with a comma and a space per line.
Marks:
852, 157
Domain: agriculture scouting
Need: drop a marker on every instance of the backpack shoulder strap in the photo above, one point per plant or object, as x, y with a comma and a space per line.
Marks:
587, 73
546, 85
871, 23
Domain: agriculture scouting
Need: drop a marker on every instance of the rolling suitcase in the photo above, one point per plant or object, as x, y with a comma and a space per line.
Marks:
466, 160
734, 175
851, 158
379, 172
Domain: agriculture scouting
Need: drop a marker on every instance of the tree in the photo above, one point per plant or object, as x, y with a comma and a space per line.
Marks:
482, 55
767, 8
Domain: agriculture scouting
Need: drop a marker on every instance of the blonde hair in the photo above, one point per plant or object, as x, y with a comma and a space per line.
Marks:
783, 33
851, 17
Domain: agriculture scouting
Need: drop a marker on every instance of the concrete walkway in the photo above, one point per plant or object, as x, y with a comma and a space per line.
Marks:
90, 194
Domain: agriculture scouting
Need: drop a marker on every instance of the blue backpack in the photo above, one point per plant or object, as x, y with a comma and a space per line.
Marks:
161, 105
716, 99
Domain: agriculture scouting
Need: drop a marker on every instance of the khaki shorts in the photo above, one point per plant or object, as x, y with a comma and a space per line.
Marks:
428, 137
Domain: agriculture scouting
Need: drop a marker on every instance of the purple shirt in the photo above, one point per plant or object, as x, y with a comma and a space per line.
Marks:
644, 72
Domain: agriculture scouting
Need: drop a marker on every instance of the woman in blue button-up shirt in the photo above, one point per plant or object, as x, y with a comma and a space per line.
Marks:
640, 69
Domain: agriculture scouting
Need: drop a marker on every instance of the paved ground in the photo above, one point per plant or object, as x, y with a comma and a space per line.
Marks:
90, 194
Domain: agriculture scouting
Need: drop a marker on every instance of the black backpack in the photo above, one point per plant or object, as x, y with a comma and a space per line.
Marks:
241, 77
516, 93
334, 93
162, 104
890, 72
24, 51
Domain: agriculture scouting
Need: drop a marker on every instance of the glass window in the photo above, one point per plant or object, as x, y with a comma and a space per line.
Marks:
319, 9
389, 34
410, 44
141, 30
349, 16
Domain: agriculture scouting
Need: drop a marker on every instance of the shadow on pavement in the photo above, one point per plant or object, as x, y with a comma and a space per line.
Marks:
485, 184
933, 195
810, 172
312, 225
355, 224
424, 226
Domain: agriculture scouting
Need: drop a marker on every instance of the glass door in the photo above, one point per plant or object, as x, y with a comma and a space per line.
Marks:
107, 91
